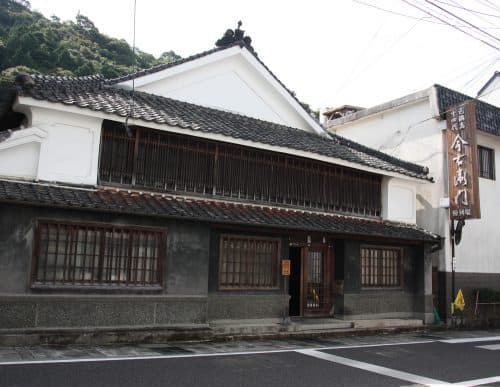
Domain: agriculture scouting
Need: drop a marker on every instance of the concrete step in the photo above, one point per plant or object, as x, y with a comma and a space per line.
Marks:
249, 327
320, 325
387, 323
267, 327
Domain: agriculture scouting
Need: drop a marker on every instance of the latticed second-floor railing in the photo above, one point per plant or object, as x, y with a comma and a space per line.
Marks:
156, 160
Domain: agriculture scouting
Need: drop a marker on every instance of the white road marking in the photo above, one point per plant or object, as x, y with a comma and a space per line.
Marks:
315, 352
492, 347
407, 377
470, 340
180, 356
479, 382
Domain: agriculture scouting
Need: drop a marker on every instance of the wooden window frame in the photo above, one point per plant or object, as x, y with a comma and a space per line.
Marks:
380, 268
491, 167
274, 266
103, 259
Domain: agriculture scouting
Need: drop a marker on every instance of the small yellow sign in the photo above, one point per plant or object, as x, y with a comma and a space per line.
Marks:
459, 302
285, 267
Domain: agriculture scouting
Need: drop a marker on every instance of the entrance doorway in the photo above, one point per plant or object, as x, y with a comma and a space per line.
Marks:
310, 278
294, 284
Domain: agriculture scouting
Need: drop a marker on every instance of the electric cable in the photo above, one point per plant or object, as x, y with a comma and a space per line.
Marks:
134, 69
451, 25
463, 20
424, 19
460, 6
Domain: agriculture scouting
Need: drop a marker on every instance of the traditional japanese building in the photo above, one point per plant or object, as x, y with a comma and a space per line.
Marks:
167, 199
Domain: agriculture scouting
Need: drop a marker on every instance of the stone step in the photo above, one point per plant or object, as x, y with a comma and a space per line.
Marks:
387, 323
321, 326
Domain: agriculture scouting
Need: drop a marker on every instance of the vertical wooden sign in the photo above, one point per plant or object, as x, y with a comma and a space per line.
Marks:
463, 179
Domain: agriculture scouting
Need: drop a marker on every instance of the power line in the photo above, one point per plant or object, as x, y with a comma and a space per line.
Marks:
463, 20
479, 16
489, 4
471, 66
358, 60
387, 50
397, 13
424, 19
482, 70
450, 24
460, 6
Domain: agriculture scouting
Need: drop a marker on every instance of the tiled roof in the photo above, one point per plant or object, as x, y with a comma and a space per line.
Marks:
91, 93
487, 116
114, 201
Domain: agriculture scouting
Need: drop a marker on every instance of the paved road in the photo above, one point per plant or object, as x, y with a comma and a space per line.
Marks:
452, 358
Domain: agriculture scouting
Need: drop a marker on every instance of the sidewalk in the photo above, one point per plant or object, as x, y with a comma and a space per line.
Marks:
221, 330
308, 326
76, 353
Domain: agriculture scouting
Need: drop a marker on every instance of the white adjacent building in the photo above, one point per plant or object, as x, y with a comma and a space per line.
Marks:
413, 128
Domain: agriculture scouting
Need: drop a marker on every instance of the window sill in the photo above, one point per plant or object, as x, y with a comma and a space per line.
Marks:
382, 288
100, 288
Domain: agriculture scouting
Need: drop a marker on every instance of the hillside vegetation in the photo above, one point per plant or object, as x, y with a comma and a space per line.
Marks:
30, 42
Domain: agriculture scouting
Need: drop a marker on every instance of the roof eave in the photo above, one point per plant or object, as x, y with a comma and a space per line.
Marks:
32, 102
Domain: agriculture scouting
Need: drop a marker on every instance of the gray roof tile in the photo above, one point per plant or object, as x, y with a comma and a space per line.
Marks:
92, 93
487, 115
134, 203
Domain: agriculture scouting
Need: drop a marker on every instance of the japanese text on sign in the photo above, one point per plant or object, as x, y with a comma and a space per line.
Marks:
462, 168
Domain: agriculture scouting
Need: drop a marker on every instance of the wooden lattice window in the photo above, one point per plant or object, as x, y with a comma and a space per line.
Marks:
380, 266
76, 254
248, 262
167, 162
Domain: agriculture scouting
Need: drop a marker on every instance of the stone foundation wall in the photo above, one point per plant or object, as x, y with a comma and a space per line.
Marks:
245, 306
379, 304
87, 312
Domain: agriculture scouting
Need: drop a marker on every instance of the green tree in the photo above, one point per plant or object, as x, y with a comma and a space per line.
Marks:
52, 46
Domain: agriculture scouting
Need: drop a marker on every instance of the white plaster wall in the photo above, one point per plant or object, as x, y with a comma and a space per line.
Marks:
398, 200
70, 152
231, 84
411, 133
479, 251
20, 161
19, 153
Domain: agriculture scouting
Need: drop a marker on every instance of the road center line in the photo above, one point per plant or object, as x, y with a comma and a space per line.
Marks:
470, 340
479, 382
408, 377
492, 347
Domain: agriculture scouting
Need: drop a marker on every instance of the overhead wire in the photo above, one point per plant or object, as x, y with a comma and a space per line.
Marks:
130, 113
440, 18
387, 50
489, 4
479, 72
358, 60
473, 65
427, 19
460, 6
463, 20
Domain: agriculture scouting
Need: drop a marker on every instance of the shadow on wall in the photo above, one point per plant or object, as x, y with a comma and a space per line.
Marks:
425, 210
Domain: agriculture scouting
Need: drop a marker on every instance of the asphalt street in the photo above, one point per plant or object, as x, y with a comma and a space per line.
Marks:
450, 358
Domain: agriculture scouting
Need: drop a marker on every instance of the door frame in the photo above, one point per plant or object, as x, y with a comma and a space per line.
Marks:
327, 278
